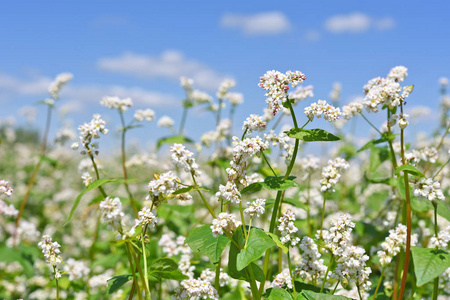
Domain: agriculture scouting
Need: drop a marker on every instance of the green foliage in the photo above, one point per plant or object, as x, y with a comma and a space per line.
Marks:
271, 183
429, 263
258, 243
201, 239
166, 268
168, 140
312, 135
116, 282
408, 169
384, 138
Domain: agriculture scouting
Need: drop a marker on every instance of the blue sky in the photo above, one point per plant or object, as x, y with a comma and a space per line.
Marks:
141, 48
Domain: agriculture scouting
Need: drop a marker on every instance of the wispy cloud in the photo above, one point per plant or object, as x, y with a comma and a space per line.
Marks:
171, 64
12, 87
357, 23
257, 24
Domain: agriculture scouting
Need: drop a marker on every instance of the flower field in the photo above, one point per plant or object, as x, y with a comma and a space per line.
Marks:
244, 212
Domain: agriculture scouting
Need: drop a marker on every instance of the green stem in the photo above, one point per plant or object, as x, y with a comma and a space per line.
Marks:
136, 260
183, 120
326, 273
203, 198
217, 279
255, 293
125, 176
379, 283
439, 171
268, 164
292, 273
436, 280
144, 253
370, 123
323, 214
100, 188
249, 229
278, 121
241, 211
359, 291
57, 285
243, 135
335, 287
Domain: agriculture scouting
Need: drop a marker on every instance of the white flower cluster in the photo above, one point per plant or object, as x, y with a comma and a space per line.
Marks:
256, 207
147, 114
255, 177
60, 80
121, 105
394, 243
352, 109
335, 93
224, 222
224, 87
162, 186
235, 98
402, 120
171, 247
352, 267
301, 93
6, 210
208, 275
287, 229
76, 269
309, 164
254, 123
242, 152
88, 131
229, 192
386, 90
426, 154
282, 279
428, 188
442, 239
277, 86
332, 173
51, 252
165, 121
338, 238
4, 189
200, 97
183, 158
311, 266
193, 288
329, 112
146, 218
186, 83
87, 178
283, 141
111, 210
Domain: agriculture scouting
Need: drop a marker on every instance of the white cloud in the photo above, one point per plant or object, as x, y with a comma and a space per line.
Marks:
170, 64
357, 23
12, 87
257, 24
312, 35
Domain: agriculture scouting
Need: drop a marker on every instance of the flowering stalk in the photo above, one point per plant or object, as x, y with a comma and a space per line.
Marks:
379, 282
326, 273
436, 280
408, 215
144, 252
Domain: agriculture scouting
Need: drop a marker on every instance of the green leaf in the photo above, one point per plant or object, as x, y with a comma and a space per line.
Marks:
385, 137
238, 236
279, 294
51, 161
310, 295
429, 263
172, 140
201, 239
132, 126
188, 189
312, 135
271, 183
24, 255
90, 187
258, 243
116, 282
277, 241
166, 268
377, 156
442, 210
420, 205
408, 169
252, 188
301, 286
286, 103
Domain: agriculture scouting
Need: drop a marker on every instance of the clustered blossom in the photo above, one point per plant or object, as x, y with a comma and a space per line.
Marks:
402, 120
301, 93
426, 154
235, 98
386, 90
208, 275
256, 207
51, 252
229, 192
224, 222
4, 189
282, 279
60, 80
442, 239
335, 93
147, 114
338, 238
161, 187
5, 210
111, 210
332, 173
283, 141
224, 87
165, 121
87, 178
254, 123
329, 112
200, 97
88, 131
352, 267
242, 152
288, 229
277, 86
146, 218
183, 158
393, 244
76, 269
352, 109
192, 288
428, 188
117, 103
311, 266
220, 134
309, 164
186, 83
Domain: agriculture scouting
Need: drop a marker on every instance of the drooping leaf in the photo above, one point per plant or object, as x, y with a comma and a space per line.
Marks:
408, 169
384, 138
258, 243
201, 239
312, 135
429, 263
166, 268
116, 282
277, 241
172, 140
90, 187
